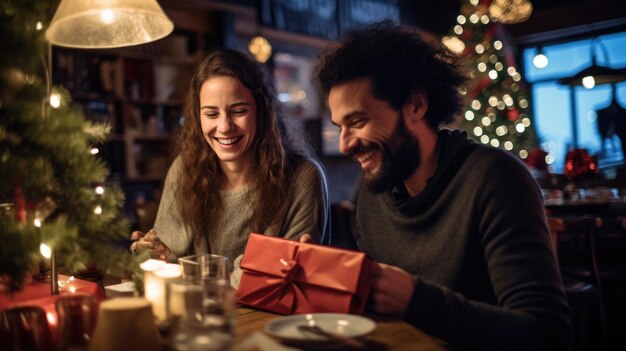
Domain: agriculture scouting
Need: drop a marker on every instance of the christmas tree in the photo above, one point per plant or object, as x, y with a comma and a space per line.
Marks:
497, 106
52, 183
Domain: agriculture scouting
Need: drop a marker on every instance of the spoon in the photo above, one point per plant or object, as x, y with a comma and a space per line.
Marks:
344, 340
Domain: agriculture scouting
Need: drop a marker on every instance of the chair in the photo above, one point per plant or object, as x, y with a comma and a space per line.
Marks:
611, 256
574, 244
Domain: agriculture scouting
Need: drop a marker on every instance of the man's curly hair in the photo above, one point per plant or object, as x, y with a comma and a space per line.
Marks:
400, 63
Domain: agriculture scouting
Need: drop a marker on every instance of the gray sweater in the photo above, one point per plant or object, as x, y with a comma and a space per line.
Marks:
477, 240
308, 213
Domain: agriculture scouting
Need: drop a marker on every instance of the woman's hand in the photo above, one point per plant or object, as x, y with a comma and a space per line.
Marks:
305, 238
149, 241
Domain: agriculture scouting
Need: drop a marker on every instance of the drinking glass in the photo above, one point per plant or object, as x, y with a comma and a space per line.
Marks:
204, 266
77, 316
25, 328
201, 314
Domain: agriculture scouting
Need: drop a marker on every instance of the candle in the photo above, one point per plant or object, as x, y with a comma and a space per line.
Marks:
156, 275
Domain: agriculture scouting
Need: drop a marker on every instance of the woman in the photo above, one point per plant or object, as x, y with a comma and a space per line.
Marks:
236, 171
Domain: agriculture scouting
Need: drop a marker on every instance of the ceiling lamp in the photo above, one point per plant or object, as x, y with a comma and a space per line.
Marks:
510, 11
540, 60
260, 48
107, 24
595, 74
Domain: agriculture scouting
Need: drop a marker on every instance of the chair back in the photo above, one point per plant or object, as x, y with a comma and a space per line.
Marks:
574, 242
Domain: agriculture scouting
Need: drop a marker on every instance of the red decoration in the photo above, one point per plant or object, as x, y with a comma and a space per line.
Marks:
579, 165
537, 159
512, 114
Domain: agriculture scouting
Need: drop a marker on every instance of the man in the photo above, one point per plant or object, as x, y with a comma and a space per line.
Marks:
458, 227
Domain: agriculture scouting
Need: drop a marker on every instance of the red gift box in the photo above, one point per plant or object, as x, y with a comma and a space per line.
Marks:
288, 277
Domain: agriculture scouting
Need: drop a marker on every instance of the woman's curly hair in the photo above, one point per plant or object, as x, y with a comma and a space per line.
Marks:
201, 176
400, 63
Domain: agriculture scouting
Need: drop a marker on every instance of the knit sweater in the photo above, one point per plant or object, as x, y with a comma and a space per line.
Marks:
476, 239
308, 212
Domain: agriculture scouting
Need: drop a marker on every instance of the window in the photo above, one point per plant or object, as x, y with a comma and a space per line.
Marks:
566, 117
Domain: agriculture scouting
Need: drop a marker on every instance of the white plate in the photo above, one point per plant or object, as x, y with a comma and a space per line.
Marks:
349, 325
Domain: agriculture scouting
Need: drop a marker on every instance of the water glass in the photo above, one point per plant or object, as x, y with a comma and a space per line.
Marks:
205, 266
77, 316
201, 314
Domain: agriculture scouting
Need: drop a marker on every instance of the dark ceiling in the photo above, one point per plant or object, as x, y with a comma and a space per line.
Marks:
551, 19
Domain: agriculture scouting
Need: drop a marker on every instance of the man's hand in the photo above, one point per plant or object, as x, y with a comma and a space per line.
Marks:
392, 289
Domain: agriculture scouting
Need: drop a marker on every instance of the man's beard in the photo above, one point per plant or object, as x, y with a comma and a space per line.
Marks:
396, 166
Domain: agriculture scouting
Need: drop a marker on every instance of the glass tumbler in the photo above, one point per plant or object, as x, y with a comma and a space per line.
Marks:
201, 314
204, 266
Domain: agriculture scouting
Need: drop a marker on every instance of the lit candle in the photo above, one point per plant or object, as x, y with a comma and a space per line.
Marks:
156, 275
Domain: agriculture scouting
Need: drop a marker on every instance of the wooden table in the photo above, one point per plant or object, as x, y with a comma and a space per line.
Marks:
390, 333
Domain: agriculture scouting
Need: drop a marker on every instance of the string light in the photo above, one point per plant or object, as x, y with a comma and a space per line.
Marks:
454, 44
523, 103
478, 131
482, 67
493, 74
474, 18
94, 151
99, 190
497, 44
520, 128
484, 139
495, 142
526, 122
45, 250
485, 121
523, 154
469, 115
493, 101
479, 49
461, 19
508, 145
39, 25
499, 66
55, 100
97, 210
476, 105
458, 29
501, 130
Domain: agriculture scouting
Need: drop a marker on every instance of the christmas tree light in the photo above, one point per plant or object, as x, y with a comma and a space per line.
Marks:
497, 110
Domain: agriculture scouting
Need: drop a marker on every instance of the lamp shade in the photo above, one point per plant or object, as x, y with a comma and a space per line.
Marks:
107, 23
600, 74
